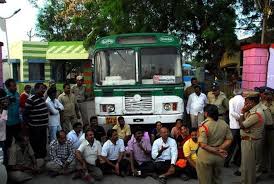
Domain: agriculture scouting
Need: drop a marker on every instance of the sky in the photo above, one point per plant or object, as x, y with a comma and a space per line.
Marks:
19, 24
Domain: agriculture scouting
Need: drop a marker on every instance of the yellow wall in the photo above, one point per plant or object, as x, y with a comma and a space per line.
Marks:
229, 60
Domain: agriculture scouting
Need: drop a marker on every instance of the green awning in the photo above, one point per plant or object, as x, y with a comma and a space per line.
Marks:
66, 50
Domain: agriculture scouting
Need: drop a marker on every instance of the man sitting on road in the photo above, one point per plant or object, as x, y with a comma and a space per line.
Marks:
21, 160
190, 147
140, 153
165, 153
74, 135
123, 129
113, 154
88, 154
99, 131
61, 155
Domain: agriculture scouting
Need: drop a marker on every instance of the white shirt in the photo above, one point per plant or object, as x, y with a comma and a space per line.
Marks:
196, 104
171, 153
90, 153
54, 115
235, 106
3, 121
72, 137
82, 138
112, 151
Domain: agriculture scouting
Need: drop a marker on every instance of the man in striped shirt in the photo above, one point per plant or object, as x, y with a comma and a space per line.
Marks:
36, 116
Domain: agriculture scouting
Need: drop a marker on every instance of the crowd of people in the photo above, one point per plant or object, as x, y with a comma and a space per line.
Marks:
43, 130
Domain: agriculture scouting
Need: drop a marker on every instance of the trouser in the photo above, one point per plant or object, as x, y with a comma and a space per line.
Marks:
196, 119
52, 166
68, 122
3, 174
94, 171
52, 132
162, 167
84, 112
12, 132
145, 167
19, 176
38, 140
123, 165
268, 150
235, 147
209, 173
248, 164
259, 157
188, 170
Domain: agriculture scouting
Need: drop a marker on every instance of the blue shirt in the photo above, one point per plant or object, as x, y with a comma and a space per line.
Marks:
13, 109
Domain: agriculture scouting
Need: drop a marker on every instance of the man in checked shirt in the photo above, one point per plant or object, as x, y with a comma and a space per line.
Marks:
62, 156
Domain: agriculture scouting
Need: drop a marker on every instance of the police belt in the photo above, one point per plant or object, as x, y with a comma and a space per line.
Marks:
248, 138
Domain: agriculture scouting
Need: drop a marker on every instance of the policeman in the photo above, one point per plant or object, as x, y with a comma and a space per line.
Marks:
268, 144
218, 98
214, 139
252, 128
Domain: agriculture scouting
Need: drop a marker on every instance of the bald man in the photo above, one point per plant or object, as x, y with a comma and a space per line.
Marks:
165, 153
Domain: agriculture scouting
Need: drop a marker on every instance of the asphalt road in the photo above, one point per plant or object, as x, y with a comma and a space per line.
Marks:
228, 178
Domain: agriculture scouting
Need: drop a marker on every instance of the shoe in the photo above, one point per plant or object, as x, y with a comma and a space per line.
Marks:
162, 179
237, 173
184, 177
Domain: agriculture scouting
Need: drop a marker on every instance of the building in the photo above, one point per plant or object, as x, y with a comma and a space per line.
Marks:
42, 61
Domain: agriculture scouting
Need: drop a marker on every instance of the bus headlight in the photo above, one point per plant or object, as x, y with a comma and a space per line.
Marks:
170, 106
111, 108
107, 107
167, 106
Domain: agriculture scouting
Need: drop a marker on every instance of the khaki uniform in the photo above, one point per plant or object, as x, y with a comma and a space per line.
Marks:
80, 94
69, 114
221, 102
209, 165
251, 144
268, 147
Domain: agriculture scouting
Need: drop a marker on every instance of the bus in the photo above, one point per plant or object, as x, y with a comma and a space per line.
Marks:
138, 76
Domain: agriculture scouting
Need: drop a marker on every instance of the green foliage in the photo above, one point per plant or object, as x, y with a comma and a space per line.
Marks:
206, 28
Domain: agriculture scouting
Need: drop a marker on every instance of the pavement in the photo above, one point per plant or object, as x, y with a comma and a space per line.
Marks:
227, 174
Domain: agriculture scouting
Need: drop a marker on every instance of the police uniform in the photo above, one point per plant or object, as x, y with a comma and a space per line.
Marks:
209, 165
268, 146
81, 95
251, 134
220, 101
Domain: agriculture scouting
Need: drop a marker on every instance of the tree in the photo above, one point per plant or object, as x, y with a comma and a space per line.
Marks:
206, 28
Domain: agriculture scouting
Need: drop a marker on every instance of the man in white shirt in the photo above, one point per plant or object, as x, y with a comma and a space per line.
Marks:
165, 153
195, 106
235, 106
113, 154
88, 154
54, 107
74, 135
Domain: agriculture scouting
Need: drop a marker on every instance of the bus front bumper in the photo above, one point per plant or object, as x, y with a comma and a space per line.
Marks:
140, 119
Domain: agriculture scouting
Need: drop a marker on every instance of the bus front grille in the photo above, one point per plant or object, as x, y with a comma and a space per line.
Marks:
143, 106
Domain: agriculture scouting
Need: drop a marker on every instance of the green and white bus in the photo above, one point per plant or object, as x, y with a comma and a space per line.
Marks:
138, 76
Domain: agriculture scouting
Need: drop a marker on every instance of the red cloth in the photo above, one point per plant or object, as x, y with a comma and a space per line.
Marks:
180, 147
23, 98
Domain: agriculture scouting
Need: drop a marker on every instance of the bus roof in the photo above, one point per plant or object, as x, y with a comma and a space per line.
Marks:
137, 40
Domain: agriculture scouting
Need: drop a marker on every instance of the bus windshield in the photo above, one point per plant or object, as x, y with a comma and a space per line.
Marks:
161, 66
115, 67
